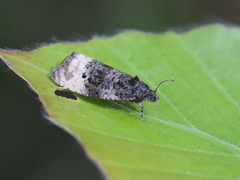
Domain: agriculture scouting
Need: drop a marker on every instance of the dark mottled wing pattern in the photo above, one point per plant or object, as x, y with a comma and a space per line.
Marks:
89, 77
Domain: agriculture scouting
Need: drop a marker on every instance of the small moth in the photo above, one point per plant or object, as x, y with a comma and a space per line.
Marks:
89, 77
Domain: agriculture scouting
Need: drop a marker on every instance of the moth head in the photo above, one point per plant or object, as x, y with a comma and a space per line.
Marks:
152, 96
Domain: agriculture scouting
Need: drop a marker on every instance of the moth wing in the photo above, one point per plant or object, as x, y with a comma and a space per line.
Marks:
69, 74
89, 77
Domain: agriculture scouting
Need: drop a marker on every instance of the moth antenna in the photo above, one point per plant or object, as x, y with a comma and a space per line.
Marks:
164, 82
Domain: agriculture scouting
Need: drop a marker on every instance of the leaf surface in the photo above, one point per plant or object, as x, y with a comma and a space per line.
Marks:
193, 134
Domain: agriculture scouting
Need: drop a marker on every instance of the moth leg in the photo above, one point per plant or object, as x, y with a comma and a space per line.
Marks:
141, 104
116, 103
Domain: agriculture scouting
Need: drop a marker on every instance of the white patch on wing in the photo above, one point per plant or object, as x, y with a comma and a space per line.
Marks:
108, 94
82, 57
69, 73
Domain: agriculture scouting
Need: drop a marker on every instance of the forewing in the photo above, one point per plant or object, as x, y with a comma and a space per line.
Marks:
89, 77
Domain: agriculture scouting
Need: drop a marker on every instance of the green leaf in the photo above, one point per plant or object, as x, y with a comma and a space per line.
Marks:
193, 134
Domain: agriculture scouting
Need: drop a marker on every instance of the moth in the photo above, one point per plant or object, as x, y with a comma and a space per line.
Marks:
89, 77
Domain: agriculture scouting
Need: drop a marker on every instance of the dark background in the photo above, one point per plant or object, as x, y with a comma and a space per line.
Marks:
30, 146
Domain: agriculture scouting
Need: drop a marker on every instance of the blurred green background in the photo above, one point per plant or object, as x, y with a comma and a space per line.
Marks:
30, 146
